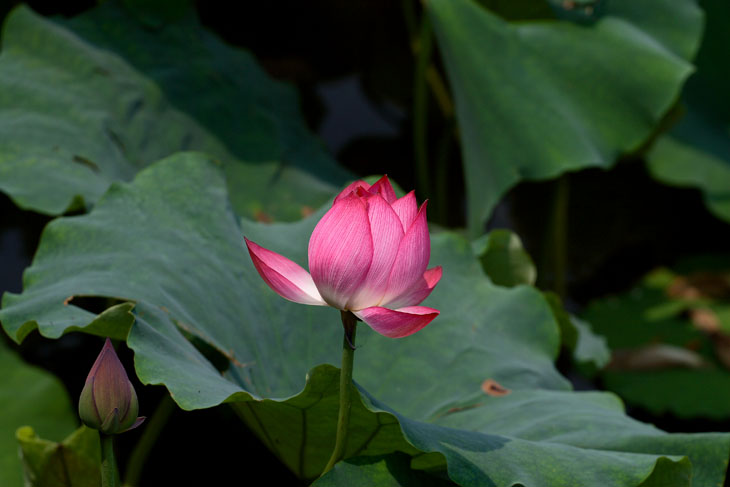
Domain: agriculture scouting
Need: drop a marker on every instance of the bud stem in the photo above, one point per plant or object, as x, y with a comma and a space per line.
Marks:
109, 473
349, 322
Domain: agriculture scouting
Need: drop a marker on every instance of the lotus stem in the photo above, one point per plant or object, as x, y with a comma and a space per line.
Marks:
349, 322
559, 238
109, 473
420, 106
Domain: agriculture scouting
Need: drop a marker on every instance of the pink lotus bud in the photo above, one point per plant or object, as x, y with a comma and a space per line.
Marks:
108, 401
369, 255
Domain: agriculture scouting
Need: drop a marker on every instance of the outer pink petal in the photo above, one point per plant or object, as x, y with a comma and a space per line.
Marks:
341, 250
285, 277
412, 258
397, 323
383, 187
419, 291
350, 188
407, 209
387, 233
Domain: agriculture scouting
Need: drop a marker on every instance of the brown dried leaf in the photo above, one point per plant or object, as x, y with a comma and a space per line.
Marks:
713, 285
721, 344
705, 319
652, 357
262, 217
680, 288
492, 388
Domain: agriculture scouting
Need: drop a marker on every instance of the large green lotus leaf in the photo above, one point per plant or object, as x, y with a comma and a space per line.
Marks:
535, 99
170, 237
300, 430
384, 471
506, 263
222, 87
74, 462
74, 118
662, 362
28, 396
584, 419
696, 153
174, 247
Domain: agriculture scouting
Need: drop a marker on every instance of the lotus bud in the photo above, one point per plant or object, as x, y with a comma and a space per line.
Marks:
108, 401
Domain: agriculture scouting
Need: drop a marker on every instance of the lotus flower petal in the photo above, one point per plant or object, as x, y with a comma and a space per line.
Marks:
350, 188
387, 233
397, 323
341, 251
383, 187
412, 258
418, 291
288, 279
407, 209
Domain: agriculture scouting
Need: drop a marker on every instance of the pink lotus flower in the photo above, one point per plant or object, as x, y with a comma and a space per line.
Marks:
368, 255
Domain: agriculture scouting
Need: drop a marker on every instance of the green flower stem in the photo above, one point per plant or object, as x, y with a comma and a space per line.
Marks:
109, 474
149, 436
349, 322
426, 76
558, 258
442, 175
433, 77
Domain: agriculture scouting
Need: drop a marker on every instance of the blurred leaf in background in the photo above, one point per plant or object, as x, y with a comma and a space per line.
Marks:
537, 98
75, 117
504, 259
696, 152
670, 337
74, 462
29, 396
